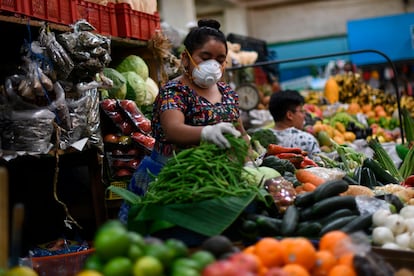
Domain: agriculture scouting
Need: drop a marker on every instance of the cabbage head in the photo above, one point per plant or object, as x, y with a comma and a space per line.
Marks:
152, 91
136, 87
119, 87
134, 63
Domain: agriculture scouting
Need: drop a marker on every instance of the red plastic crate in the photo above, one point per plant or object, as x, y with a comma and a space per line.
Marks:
135, 24
56, 11
102, 17
15, 6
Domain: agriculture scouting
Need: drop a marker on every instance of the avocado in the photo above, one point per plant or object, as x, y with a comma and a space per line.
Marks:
217, 245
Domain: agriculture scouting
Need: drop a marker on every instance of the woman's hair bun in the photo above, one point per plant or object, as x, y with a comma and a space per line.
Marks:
209, 23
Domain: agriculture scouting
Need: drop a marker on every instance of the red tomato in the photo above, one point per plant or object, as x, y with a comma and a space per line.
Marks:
145, 126
143, 139
130, 107
133, 164
116, 117
108, 105
111, 138
126, 127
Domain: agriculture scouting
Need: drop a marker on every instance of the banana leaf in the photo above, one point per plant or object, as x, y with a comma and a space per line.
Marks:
209, 217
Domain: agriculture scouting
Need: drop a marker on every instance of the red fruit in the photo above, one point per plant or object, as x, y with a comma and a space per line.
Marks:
111, 139
245, 261
143, 139
116, 117
221, 268
409, 181
108, 105
123, 173
133, 164
126, 127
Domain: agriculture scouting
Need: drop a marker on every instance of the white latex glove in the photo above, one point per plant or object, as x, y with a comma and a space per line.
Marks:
214, 134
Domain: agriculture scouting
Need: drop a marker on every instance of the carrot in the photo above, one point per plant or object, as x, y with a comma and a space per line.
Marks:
274, 149
308, 187
305, 176
299, 189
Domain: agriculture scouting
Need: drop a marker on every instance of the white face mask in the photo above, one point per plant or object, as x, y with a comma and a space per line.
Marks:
207, 73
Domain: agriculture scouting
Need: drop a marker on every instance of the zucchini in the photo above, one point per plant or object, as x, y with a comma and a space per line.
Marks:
367, 178
330, 188
336, 215
309, 229
290, 221
306, 214
304, 199
330, 204
337, 224
357, 174
268, 226
380, 173
350, 180
361, 223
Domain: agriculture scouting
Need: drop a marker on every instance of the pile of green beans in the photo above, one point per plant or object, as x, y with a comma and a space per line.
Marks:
201, 173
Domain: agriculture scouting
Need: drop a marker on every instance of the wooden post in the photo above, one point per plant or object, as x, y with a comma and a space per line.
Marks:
4, 218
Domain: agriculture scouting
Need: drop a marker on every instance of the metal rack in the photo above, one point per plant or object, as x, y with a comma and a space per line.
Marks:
394, 80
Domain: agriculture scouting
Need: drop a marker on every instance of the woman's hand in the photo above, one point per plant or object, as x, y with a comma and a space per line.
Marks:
215, 134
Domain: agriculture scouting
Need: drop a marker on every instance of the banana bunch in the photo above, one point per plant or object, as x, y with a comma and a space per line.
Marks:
352, 88
407, 102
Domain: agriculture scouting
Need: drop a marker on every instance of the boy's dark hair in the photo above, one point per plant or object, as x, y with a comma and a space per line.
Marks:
284, 101
207, 29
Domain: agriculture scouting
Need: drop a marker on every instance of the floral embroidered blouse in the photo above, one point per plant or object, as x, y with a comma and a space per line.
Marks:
197, 110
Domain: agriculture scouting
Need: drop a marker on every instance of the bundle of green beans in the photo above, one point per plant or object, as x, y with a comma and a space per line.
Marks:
201, 173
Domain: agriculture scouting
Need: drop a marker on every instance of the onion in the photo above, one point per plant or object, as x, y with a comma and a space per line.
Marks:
403, 240
395, 223
378, 218
409, 222
411, 242
391, 245
382, 235
407, 211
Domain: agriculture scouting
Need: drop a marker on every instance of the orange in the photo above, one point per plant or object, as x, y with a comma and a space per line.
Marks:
298, 251
295, 270
347, 259
250, 249
337, 242
342, 270
325, 260
269, 252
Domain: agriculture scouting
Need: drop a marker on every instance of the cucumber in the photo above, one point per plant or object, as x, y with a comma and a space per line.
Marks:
361, 223
306, 214
337, 224
350, 180
309, 229
367, 178
304, 199
268, 226
290, 221
330, 188
336, 215
380, 174
330, 204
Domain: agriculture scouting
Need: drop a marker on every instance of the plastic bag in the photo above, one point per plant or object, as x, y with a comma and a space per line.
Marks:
327, 173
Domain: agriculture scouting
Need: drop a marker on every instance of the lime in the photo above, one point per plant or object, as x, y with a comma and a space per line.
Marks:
21, 271
161, 252
203, 258
111, 241
89, 272
148, 266
135, 252
185, 263
179, 248
118, 266
184, 271
93, 262
136, 238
